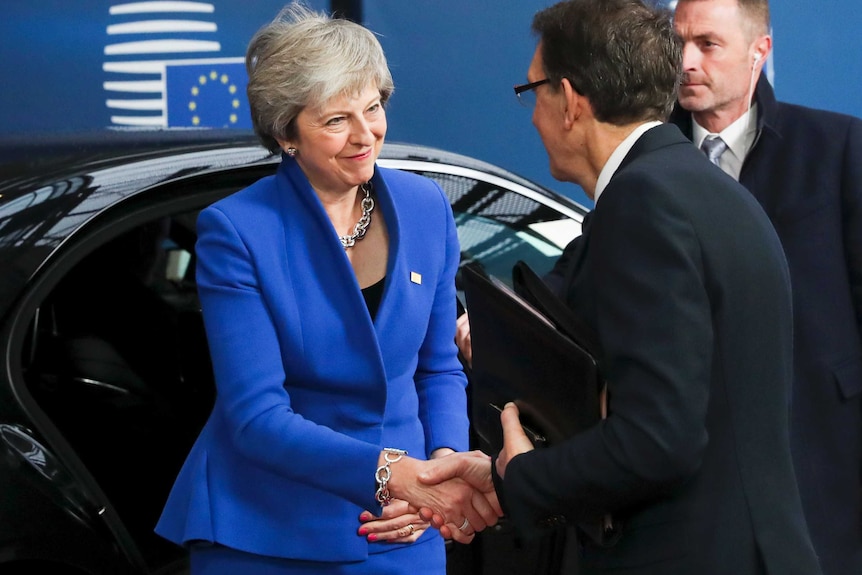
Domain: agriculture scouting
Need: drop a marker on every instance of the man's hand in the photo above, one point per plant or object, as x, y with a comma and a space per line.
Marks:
474, 468
515, 441
452, 500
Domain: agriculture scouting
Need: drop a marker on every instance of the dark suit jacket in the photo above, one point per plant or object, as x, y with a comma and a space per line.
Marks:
806, 171
310, 389
683, 279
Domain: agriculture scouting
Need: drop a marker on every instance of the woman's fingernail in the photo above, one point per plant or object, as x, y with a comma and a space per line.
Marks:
372, 537
363, 530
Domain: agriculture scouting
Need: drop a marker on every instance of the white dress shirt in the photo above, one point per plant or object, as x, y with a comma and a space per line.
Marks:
739, 137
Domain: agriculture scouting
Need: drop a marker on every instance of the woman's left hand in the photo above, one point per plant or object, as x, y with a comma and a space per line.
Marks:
395, 525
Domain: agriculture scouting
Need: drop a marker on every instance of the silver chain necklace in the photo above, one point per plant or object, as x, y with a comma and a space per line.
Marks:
362, 225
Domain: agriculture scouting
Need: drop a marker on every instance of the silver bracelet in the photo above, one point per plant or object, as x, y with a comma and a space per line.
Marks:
384, 473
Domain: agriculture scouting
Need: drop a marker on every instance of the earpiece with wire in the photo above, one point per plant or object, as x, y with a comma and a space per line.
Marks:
757, 57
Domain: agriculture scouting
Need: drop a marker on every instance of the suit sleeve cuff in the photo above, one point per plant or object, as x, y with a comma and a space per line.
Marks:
498, 484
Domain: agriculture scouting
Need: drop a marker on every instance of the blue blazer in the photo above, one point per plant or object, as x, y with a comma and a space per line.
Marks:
309, 388
805, 169
682, 277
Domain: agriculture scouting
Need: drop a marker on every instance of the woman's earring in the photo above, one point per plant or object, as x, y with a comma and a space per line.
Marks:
291, 151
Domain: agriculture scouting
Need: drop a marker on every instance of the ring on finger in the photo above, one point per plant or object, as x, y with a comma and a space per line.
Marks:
411, 528
464, 525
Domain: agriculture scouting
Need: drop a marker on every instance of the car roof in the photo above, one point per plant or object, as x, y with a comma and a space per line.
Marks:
125, 162
58, 184
43, 157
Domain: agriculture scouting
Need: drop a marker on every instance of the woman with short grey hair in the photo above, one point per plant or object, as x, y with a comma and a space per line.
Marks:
328, 296
302, 57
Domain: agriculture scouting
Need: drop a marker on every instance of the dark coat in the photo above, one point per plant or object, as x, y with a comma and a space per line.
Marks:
805, 169
683, 279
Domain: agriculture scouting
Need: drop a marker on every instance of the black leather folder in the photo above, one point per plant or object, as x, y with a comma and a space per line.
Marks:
520, 354
529, 348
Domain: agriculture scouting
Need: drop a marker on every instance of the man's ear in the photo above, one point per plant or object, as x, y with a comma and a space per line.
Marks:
575, 103
762, 48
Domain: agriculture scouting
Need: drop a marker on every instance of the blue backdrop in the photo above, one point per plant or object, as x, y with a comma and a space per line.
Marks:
74, 65
455, 63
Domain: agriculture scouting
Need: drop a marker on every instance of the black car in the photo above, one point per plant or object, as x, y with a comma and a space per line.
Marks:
106, 375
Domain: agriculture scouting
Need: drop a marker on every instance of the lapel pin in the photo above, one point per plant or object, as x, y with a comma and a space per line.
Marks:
416, 277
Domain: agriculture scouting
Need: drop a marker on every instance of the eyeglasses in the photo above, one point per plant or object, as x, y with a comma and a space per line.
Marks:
526, 92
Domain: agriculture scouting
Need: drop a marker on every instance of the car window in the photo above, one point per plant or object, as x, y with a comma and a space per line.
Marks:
498, 226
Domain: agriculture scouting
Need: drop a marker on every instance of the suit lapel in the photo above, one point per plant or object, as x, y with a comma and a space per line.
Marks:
395, 267
315, 263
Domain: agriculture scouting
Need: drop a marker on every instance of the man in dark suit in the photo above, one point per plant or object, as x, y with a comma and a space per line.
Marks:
804, 166
683, 279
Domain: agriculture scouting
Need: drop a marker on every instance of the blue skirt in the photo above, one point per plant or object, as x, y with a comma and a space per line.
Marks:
425, 557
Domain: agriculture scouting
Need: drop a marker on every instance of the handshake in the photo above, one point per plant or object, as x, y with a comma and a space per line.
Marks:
454, 492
